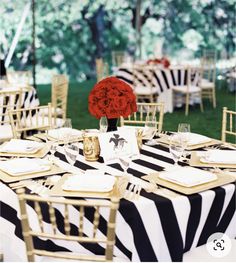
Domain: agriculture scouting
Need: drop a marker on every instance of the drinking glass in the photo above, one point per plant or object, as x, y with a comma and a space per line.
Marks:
125, 162
184, 133
176, 147
103, 124
150, 129
66, 131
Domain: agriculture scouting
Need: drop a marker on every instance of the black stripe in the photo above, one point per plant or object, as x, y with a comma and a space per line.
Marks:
157, 156
141, 239
195, 201
228, 214
165, 79
125, 79
213, 216
152, 166
158, 81
179, 77
186, 77
173, 77
169, 224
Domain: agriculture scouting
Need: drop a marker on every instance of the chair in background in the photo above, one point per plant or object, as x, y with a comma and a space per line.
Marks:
207, 83
86, 233
30, 119
144, 110
9, 100
228, 124
189, 88
102, 69
118, 57
21, 78
143, 83
209, 54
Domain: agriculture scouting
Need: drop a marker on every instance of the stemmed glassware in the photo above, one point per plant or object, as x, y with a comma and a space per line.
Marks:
184, 133
125, 162
150, 129
176, 147
103, 124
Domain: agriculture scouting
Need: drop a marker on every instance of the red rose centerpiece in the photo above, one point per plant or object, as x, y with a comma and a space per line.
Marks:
113, 98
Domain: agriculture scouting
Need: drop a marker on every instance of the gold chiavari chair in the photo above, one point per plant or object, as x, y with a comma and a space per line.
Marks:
84, 235
143, 83
9, 100
189, 89
118, 58
102, 69
30, 119
144, 110
228, 124
207, 83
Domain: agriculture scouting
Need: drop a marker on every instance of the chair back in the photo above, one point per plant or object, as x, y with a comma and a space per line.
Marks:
144, 110
193, 75
228, 124
102, 69
210, 54
208, 70
59, 93
87, 229
144, 84
30, 119
19, 77
9, 100
118, 57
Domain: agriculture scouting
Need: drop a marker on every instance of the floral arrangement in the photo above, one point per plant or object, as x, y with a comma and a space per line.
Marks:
112, 97
163, 61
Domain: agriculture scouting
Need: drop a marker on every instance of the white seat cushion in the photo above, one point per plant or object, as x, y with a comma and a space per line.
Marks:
207, 85
5, 132
184, 89
57, 111
142, 90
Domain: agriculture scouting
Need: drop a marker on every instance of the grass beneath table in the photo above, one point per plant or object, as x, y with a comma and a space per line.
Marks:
207, 123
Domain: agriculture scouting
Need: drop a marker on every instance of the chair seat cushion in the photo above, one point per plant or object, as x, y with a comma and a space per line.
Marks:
5, 132
57, 111
142, 90
207, 85
184, 89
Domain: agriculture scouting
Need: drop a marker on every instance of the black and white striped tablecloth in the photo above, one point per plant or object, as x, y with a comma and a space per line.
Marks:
160, 226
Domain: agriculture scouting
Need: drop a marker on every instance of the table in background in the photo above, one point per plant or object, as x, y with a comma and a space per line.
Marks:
164, 79
159, 226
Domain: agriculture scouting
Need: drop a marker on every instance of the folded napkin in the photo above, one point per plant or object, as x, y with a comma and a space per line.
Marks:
188, 176
61, 133
21, 146
195, 138
24, 166
219, 156
90, 183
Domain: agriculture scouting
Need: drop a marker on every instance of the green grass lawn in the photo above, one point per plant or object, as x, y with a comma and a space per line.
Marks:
207, 123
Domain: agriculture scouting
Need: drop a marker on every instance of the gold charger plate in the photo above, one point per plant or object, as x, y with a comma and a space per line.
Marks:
42, 136
164, 140
195, 161
10, 179
223, 178
39, 154
58, 191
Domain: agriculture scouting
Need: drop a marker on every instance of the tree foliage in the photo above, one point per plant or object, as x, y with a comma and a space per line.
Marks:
71, 34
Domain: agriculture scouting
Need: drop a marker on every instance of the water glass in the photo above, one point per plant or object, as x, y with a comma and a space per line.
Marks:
66, 131
176, 147
103, 124
184, 133
150, 129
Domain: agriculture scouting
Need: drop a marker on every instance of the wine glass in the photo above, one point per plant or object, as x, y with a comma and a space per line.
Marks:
150, 129
184, 133
66, 131
125, 162
103, 124
176, 147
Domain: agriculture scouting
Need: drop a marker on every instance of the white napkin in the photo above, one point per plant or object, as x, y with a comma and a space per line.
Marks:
195, 138
219, 156
59, 134
24, 166
188, 176
90, 183
21, 146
